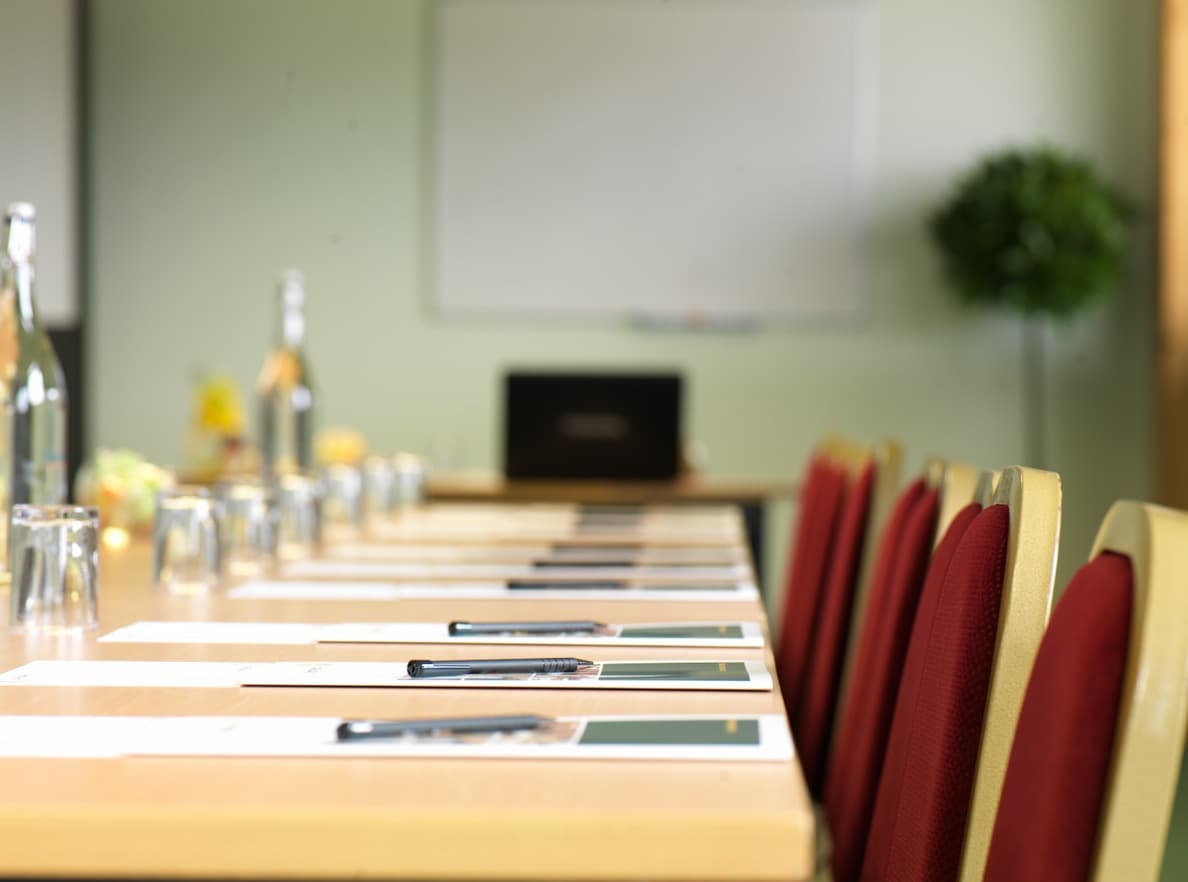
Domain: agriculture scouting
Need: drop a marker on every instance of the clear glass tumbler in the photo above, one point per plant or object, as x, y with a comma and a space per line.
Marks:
55, 567
299, 504
379, 486
187, 553
249, 526
411, 473
344, 494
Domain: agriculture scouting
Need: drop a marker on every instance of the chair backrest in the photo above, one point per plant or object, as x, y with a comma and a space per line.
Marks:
812, 721
1097, 753
969, 632
865, 514
1023, 615
812, 546
905, 561
1153, 713
1052, 793
855, 760
888, 459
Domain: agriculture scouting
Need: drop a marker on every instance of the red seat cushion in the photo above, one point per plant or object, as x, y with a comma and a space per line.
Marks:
821, 501
922, 807
1049, 812
861, 742
814, 719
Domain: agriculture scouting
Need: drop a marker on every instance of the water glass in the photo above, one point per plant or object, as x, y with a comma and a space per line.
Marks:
299, 504
187, 553
379, 486
343, 502
55, 568
411, 471
249, 526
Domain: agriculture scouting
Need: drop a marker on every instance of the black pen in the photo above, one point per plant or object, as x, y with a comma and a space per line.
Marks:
577, 585
462, 667
473, 629
584, 564
352, 730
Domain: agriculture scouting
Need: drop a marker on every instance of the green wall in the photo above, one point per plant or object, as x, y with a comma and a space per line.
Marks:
228, 140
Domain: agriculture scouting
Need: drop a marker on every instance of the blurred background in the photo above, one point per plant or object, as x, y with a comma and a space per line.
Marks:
182, 153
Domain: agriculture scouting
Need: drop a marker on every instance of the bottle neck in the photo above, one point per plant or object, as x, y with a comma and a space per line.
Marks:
25, 305
292, 326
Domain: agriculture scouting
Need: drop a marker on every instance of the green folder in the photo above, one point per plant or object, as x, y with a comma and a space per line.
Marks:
721, 632
675, 732
734, 671
695, 586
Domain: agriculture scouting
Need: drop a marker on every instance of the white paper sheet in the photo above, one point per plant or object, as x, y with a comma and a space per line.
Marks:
322, 568
492, 554
408, 632
273, 633
346, 590
197, 675
95, 736
486, 530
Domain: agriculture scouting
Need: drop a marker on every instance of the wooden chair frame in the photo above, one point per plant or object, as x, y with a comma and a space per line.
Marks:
957, 482
1153, 714
1034, 498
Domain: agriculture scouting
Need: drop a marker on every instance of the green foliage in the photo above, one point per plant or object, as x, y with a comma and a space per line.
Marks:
1033, 230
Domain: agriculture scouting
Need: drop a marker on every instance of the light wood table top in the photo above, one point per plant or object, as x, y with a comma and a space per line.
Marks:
485, 485
387, 818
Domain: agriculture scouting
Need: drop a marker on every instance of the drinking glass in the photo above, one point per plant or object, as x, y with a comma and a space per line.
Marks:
410, 478
249, 526
55, 568
299, 503
343, 502
187, 554
379, 486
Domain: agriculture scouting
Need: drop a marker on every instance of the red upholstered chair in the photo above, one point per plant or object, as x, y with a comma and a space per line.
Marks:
812, 723
973, 633
821, 499
905, 561
1095, 759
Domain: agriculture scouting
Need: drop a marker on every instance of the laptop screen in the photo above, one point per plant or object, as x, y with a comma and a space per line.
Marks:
592, 425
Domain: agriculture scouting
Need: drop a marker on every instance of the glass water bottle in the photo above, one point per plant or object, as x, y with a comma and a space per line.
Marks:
34, 445
285, 389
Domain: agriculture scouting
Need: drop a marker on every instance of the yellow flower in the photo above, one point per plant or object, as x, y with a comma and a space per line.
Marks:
340, 446
219, 408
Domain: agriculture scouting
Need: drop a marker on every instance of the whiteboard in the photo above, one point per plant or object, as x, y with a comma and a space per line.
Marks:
686, 161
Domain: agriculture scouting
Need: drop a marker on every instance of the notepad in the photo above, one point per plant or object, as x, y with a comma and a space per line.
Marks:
735, 591
751, 676
750, 738
708, 634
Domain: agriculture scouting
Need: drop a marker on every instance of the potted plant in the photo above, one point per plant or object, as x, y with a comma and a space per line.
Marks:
1037, 231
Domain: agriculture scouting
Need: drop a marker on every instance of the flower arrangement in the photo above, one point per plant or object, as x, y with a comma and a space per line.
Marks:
123, 485
340, 447
215, 444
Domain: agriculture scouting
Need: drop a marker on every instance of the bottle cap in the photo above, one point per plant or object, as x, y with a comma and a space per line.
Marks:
19, 221
23, 210
292, 287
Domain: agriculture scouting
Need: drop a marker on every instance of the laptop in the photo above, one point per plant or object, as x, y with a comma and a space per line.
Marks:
592, 425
